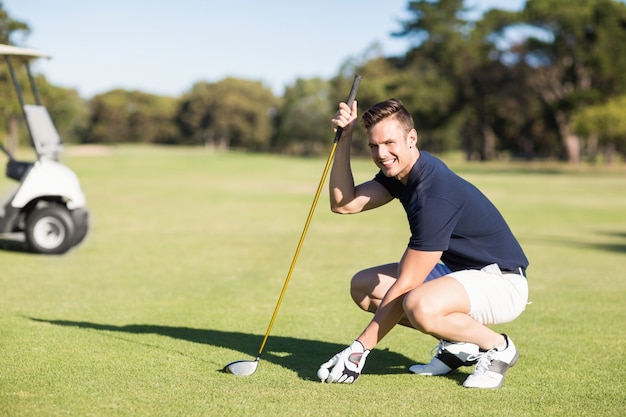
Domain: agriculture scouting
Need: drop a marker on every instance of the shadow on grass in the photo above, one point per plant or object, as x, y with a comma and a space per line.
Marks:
614, 247
300, 355
10, 243
611, 246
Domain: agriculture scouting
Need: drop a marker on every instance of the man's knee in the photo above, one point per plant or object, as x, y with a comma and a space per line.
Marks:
420, 311
360, 290
429, 304
367, 290
369, 286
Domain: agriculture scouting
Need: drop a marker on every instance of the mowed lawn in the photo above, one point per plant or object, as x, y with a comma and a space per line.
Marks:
187, 255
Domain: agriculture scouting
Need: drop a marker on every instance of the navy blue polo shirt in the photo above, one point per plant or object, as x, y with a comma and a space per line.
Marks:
447, 213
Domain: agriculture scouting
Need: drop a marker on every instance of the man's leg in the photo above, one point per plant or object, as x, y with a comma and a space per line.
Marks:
451, 307
441, 308
368, 287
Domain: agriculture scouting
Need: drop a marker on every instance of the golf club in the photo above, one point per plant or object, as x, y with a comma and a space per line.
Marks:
247, 367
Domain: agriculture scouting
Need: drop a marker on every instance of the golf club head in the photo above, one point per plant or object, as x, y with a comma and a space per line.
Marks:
242, 368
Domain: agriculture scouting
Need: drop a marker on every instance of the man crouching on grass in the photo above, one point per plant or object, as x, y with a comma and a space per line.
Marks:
462, 270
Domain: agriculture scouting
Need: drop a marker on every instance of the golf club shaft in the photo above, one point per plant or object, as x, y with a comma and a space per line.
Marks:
351, 97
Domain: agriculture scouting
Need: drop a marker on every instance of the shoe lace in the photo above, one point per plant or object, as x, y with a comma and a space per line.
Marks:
438, 349
484, 360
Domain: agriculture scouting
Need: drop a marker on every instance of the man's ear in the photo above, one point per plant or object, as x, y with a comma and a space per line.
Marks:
412, 137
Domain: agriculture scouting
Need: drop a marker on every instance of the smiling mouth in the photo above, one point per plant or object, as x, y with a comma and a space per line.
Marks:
387, 162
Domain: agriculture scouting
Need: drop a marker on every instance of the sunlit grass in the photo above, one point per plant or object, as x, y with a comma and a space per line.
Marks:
188, 252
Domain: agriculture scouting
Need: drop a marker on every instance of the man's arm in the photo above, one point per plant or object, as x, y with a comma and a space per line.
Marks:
345, 197
413, 270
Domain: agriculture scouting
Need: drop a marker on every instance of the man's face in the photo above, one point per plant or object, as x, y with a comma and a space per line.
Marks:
392, 148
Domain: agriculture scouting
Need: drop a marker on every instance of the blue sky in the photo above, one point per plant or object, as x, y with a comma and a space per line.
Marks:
164, 47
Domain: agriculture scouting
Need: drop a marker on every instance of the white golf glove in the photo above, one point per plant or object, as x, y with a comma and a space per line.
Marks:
347, 364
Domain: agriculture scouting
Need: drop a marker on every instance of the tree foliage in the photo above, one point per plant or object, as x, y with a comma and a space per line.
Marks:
604, 125
303, 125
122, 116
541, 82
231, 113
579, 59
9, 109
9, 27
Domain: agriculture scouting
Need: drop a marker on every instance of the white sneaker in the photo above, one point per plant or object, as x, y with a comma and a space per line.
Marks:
491, 366
449, 356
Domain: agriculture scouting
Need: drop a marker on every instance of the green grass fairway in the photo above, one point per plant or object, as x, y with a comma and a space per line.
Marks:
187, 255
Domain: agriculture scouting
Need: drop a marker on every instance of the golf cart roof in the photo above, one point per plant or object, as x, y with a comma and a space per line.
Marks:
21, 52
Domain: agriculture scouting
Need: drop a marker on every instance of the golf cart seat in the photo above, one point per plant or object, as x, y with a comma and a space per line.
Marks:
17, 169
46, 139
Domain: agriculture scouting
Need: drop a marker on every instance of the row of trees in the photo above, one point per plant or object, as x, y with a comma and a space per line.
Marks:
548, 81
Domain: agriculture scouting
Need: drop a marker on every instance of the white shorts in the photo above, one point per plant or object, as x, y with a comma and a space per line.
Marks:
495, 297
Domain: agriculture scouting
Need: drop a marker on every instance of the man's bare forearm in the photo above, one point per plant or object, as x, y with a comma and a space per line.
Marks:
341, 182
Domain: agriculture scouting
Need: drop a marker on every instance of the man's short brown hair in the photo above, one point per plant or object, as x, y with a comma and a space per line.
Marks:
388, 108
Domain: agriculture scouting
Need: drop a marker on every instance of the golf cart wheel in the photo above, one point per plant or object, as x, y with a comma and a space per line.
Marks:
50, 230
80, 218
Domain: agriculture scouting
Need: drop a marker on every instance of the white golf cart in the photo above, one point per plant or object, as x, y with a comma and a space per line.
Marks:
48, 206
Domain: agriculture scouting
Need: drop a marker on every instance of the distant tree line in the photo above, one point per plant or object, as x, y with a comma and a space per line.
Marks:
546, 82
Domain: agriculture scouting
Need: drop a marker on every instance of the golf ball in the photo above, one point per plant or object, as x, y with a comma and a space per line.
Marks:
323, 373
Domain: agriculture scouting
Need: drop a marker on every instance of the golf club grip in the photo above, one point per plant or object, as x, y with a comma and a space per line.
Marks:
355, 87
